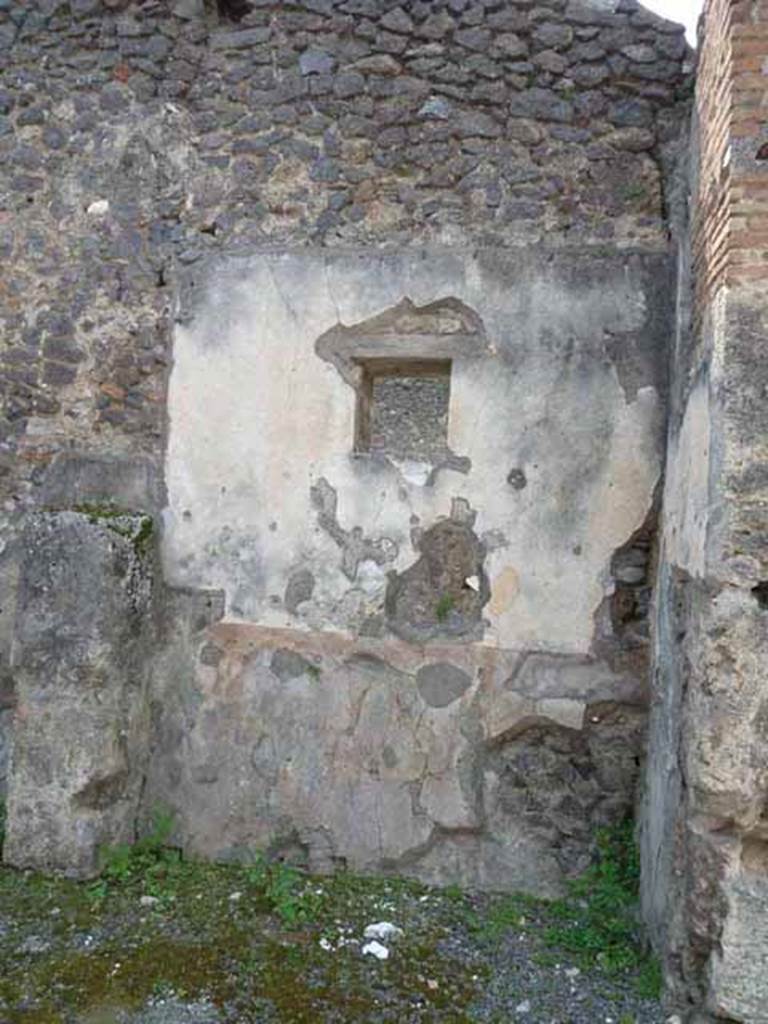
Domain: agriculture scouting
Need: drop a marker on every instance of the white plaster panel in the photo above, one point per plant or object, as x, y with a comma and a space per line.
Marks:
257, 418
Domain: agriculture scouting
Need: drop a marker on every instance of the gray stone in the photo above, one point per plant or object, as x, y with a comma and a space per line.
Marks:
541, 104
436, 108
552, 36
436, 26
189, 9
316, 62
510, 45
80, 670
631, 113
640, 52
241, 40
590, 75
592, 12
473, 38
634, 140
551, 61
287, 664
397, 21
440, 684
378, 64
351, 83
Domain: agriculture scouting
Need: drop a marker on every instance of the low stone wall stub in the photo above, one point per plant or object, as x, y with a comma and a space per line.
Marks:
80, 675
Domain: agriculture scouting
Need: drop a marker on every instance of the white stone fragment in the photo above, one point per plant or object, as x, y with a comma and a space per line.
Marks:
149, 901
235, 896
98, 208
384, 930
326, 945
375, 949
473, 582
524, 1007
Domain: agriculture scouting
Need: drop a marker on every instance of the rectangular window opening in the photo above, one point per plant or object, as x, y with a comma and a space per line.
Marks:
402, 408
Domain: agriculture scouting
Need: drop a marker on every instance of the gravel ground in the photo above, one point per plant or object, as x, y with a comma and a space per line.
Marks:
196, 944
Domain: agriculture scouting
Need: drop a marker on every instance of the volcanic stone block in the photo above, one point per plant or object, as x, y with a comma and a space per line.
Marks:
80, 672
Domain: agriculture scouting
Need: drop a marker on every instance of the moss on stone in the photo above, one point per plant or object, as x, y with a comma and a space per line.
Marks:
136, 527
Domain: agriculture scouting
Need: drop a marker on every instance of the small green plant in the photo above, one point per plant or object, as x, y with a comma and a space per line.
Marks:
444, 607
650, 981
148, 858
597, 922
505, 913
287, 891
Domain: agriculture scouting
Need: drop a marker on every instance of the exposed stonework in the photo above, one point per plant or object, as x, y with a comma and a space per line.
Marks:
705, 885
138, 139
443, 592
268, 197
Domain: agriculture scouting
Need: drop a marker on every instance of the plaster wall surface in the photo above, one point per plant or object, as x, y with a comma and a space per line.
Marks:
562, 385
310, 719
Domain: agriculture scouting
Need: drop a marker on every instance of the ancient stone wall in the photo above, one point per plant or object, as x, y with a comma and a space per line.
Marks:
485, 167
514, 564
705, 883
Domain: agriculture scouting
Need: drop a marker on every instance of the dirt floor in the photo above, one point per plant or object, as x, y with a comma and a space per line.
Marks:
159, 940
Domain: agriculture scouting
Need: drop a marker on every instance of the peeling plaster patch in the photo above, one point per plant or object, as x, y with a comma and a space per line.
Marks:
355, 548
543, 397
432, 598
441, 683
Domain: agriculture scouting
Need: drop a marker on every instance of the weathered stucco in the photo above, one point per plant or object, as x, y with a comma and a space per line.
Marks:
379, 755
336, 712
563, 386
